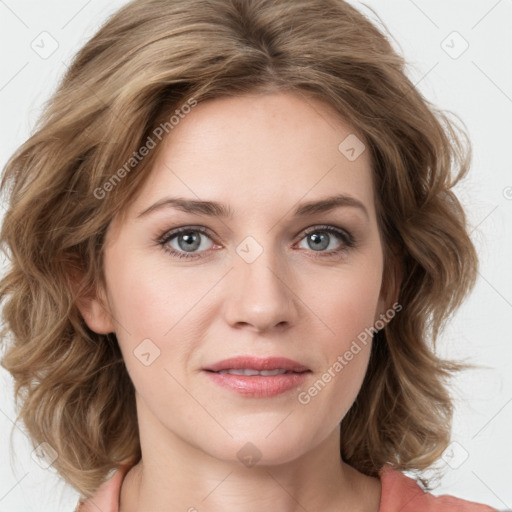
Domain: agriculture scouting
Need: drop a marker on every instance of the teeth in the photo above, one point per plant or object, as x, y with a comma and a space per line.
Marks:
272, 372
251, 372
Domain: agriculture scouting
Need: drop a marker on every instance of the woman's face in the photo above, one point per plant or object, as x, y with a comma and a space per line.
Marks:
260, 272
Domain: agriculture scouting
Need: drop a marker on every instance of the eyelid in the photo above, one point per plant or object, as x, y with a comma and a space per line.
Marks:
347, 239
330, 228
171, 233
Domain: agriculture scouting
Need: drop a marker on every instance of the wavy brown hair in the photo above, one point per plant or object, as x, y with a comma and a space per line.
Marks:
151, 57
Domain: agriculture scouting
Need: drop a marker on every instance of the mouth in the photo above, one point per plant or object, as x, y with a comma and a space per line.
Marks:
251, 372
257, 364
258, 377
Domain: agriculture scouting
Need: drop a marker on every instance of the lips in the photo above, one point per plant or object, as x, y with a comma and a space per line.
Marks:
258, 377
249, 372
258, 364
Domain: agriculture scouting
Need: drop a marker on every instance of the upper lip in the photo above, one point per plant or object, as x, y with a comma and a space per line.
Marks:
257, 363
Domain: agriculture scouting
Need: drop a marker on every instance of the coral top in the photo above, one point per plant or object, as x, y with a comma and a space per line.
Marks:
399, 494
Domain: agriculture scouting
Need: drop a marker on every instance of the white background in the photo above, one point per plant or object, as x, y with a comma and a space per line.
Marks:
477, 86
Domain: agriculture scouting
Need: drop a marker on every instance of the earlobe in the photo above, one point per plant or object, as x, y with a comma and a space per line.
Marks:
390, 291
92, 304
95, 314
395, 282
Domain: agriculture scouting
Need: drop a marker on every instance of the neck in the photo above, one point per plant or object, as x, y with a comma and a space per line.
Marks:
173, 475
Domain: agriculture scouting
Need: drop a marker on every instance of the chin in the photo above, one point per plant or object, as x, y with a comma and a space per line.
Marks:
263, 446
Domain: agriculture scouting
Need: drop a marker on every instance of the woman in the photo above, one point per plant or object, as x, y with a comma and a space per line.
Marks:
234, 242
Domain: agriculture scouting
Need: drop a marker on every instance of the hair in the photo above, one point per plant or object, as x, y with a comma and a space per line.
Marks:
148, 59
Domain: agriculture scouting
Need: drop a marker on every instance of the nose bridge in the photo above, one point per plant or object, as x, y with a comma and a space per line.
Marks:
262, 293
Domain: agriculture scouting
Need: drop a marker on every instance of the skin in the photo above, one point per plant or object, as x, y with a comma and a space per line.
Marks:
261, 155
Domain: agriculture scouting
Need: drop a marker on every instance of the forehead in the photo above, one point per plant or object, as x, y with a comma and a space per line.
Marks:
264, 152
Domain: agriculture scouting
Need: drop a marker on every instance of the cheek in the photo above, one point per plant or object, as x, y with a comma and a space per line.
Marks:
349, 304
346, 346
348, 308
158, 314
144, 299
145, 308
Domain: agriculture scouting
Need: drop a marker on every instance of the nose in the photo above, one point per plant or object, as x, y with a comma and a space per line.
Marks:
261, 296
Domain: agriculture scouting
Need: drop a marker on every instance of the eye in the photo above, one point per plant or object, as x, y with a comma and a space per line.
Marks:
187, 241
319, 238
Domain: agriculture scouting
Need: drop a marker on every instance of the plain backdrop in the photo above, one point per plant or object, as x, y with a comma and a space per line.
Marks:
459, 54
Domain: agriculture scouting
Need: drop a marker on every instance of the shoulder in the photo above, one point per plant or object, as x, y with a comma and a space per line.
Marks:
399, 493
402, 493
106, 498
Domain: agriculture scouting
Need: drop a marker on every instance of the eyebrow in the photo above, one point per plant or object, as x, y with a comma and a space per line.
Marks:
216, 209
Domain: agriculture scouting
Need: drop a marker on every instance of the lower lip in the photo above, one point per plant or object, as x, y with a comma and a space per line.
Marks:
259, 386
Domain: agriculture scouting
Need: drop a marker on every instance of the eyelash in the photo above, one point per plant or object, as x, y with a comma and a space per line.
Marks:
348, 241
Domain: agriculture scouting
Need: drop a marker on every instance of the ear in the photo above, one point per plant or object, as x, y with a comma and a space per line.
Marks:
390, 288
91, 302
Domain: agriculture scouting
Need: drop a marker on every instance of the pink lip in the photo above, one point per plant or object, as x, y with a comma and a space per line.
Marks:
258, 386
257, 363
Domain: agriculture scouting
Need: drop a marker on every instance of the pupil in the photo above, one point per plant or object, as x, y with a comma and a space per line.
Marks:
319, 240
191, 241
